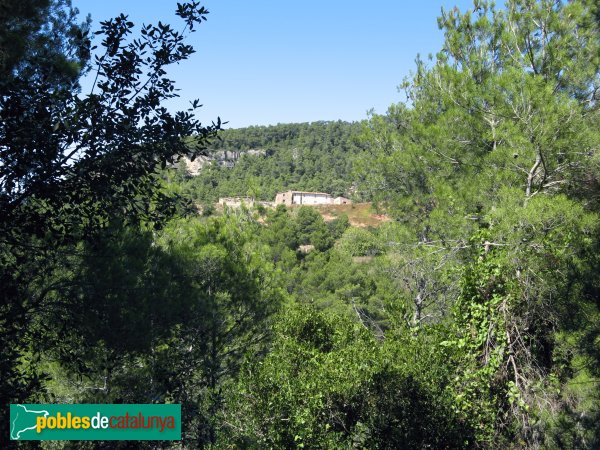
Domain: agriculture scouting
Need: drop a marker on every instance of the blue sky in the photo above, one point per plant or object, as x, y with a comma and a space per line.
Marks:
267, 62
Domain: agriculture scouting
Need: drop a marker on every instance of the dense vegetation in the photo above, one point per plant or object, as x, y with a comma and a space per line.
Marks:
307, 157
471, 320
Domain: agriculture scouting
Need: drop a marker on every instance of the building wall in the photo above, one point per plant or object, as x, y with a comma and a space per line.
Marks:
284, 198
310, 198
341, 201
236, 202
303, 198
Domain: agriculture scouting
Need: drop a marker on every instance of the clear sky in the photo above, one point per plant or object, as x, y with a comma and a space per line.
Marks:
267, 62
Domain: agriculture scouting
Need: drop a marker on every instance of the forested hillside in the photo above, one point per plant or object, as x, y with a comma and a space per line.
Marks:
470, 320
309, 157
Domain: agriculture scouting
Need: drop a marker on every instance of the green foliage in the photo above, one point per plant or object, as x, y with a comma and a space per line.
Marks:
469, 321
359, 242
308, 157
338, 225
333, 282
524, 283
490, 166
164, 319
41, 39
73, 165
310, 229
307, 222
327, 383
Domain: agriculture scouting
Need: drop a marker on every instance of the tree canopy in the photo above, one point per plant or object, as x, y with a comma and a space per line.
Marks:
469, 318
73, 163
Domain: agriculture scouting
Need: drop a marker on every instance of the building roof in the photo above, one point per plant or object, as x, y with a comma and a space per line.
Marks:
306, 192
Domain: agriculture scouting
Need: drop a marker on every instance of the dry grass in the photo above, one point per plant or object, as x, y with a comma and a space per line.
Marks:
360, 214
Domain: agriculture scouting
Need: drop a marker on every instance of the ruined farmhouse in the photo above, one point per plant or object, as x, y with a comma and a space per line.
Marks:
308, 198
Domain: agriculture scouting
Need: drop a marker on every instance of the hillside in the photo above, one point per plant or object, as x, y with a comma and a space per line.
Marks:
455, 304
359, 215
261, 161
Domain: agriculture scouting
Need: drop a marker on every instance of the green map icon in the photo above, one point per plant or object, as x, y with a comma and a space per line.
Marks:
24, 421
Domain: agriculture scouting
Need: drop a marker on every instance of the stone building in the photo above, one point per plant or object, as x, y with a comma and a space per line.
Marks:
303, 198
342, 201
